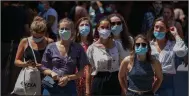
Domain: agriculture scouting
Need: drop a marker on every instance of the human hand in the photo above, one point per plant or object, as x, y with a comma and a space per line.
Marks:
173, 31
63, 81
30, 63
54, 75
38, 65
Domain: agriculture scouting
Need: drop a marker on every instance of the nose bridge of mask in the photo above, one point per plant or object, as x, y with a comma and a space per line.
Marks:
115, 26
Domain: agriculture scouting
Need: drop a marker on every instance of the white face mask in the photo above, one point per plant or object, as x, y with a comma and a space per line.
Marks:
37, 40
104, 33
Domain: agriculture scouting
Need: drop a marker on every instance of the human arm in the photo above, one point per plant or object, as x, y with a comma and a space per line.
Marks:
122, 75
82, 61
179, 48
47, 63
158, 75
179, 29
20, 52
89, 70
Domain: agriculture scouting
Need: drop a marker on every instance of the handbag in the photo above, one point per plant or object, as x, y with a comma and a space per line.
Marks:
29, 80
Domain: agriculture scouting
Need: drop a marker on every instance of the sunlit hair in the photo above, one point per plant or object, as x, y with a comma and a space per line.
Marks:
150, 33
96, 33
124, 35
90, 35
70, 23
38, 25
148, 54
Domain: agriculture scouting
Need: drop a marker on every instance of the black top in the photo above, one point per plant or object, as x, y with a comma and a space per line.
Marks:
28, 54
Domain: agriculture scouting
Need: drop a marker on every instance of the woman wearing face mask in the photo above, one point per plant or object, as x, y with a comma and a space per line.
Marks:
165, 51
168, 16
140, 67
104, 56
60, 61
38, 41
85, 38
84, 34
120, 31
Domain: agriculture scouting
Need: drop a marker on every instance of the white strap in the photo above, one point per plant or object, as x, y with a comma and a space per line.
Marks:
32, 51
34, 58
24, 81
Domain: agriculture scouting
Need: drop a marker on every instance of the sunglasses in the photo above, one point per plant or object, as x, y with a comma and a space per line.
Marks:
140, 44
116, 23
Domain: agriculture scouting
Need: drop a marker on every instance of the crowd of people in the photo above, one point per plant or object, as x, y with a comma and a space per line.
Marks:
87, 48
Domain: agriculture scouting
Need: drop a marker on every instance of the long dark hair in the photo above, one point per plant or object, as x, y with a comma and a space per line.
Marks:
148, 54
78, 36
169, 6
124, 35
168, 35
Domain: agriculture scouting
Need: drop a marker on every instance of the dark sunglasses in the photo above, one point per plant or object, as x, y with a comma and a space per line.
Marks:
138, 44
116, 23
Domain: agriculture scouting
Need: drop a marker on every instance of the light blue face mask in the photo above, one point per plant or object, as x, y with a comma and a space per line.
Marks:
116, 29
37, 40
108, 9
141, 50
104, 33
84, 30
41, 7
159, 35
65, 34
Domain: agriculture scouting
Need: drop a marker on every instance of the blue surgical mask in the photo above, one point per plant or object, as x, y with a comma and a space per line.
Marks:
116, 29
159, 35
141, 50
108, 9
104, 33
65, 34
84, 30
37, 40
41, 7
